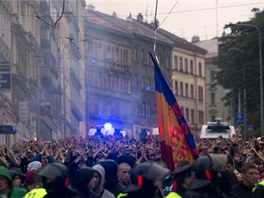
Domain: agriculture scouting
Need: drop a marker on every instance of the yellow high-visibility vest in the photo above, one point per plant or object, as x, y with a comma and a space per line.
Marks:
122, 195
173, 195
36, 193
261, 183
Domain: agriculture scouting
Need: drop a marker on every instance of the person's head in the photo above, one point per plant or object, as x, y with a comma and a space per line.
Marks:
95, 181
5, 180
110, 168
99, 157
208, 169
123, 172
82, 164
98, 180
183, 176
17, 177
34, 166
29, 182
44, 160
54, 177
250, 174
83, 179
146, 179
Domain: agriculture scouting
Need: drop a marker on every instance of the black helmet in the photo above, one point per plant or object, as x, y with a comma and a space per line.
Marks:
206, 168
144, 174
54, 176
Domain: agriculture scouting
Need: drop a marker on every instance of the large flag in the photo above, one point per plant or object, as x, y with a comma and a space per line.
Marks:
175, 137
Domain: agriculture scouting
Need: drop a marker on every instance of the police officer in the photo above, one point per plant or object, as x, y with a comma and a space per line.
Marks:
182, 177
146, 181
54, 178
208, 181
258, 191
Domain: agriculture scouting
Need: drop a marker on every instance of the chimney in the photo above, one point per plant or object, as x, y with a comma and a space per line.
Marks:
195, 39
140, 17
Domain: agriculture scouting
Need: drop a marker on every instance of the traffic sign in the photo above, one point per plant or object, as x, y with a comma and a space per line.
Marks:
239, 118
250, 127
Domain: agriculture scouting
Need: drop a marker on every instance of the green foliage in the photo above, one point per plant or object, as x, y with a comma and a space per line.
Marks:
239, 56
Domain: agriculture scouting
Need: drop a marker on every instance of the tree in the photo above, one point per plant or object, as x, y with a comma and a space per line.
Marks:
230, 62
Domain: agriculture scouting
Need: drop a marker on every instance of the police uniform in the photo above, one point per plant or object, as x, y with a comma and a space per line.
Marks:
179, 176
36, 193
258, 191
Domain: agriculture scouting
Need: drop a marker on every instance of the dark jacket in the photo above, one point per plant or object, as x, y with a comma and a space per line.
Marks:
204, 192
111, 181
82, 178
63, 193
242, 191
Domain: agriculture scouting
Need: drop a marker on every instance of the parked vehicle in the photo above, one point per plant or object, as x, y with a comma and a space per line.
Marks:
213, 130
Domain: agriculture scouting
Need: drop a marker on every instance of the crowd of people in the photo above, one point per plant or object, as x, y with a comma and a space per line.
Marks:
116, 166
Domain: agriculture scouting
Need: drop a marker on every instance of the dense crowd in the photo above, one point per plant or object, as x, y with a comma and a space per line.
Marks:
117, 166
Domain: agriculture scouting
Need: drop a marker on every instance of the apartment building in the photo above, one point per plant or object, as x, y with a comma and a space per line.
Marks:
216, 107
72, 69
107, 34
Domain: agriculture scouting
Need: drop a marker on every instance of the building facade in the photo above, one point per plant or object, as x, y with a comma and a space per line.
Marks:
216, 107
72, 69
109, 34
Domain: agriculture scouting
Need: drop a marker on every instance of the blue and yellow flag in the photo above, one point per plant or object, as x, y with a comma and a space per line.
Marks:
175, 137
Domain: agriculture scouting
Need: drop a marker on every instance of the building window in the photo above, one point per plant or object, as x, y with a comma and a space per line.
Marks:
135, 54
176, 87
136, 81
187, 114
148, 109
186, 65
100, 109
200, 69
181, 88
213, 99
136, 109
143, 56
200, 93
181, 64
117, 58
191, 66
192, 92
192, 116
168, 61
201, 117
186, 90
175, 63
213, 76
143, 82
182, 109
148, 86
144, 109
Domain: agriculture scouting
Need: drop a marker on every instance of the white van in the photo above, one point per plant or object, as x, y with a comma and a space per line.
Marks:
214, 129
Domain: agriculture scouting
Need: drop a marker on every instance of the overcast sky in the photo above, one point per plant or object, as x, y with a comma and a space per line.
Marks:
204, 18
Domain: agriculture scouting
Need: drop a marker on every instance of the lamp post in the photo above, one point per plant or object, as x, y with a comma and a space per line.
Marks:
260, 75
244, 90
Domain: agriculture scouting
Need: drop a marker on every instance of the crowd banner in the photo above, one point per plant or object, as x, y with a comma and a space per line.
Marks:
175, 137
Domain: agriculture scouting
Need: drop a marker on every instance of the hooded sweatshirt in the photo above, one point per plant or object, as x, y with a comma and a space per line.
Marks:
82, 178
99, 190
111, 181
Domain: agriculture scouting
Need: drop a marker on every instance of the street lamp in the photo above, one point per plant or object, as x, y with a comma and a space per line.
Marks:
260, 75
244, 90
